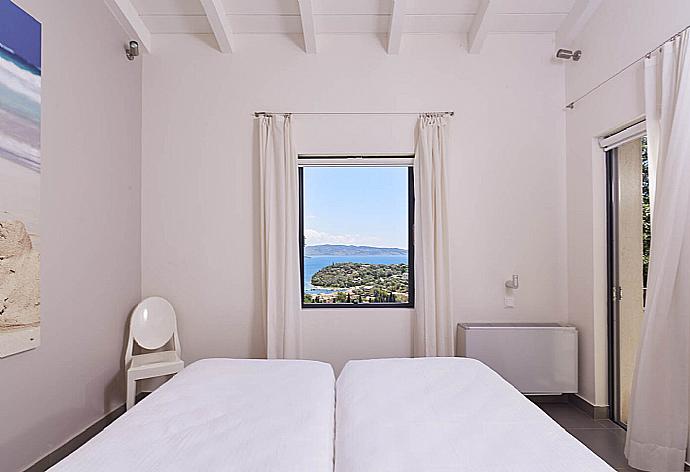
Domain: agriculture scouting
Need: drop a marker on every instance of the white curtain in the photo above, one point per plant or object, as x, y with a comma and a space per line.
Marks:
280, 237
433, 333
658, 425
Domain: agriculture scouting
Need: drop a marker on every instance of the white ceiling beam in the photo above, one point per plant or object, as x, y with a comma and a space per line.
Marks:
306, 12
217, 18
480, 26
395, 31
131, 22
575, 22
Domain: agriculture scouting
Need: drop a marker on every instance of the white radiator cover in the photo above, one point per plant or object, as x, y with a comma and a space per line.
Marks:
537, 358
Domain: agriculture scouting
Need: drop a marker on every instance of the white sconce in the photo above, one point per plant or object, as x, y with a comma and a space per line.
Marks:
513, 283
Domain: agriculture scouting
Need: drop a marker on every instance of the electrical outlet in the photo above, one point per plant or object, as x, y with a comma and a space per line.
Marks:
509, 302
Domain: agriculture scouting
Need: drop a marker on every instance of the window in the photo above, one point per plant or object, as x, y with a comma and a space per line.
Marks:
356, 222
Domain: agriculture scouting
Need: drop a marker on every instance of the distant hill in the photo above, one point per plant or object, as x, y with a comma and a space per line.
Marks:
344, 250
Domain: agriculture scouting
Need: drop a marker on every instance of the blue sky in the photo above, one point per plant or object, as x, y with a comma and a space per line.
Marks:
20, 32
356, 205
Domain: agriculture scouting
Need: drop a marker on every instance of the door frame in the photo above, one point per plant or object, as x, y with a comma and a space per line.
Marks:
613, 284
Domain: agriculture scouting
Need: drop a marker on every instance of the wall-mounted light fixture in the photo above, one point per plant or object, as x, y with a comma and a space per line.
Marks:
568, 54
132, 50
513, 283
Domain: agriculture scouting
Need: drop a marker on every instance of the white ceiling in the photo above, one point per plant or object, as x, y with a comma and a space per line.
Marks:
226, 19
354, 16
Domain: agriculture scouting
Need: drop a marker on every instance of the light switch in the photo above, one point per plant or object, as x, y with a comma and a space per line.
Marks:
509, 302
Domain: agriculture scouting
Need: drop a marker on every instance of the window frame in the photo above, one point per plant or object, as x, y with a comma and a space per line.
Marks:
360, 161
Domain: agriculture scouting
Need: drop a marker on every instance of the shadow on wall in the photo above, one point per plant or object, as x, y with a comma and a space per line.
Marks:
114, 393
257, 325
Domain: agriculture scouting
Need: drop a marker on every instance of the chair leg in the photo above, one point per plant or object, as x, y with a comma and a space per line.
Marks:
131, 392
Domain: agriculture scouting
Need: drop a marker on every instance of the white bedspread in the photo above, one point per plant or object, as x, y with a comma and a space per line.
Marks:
446, 414
223, 415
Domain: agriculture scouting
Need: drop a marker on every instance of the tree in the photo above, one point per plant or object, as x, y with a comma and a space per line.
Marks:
646, 213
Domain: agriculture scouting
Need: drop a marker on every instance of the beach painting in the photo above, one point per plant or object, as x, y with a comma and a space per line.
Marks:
20, 179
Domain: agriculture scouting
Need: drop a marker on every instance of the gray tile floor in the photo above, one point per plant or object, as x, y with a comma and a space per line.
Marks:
604, 437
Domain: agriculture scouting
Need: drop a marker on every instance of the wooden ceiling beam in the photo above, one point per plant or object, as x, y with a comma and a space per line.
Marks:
217, 18
575, 22
131, 22
397, 25
480, 26
306, 11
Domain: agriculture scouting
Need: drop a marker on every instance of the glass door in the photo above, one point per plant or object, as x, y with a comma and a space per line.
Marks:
629, 236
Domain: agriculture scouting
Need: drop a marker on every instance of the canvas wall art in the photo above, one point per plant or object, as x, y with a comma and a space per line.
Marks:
20, 177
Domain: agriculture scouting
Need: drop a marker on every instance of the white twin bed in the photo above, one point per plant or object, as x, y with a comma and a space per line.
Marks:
223, 415
446, 414
432, 414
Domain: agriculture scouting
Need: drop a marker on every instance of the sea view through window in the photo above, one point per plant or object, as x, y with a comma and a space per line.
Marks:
356, 224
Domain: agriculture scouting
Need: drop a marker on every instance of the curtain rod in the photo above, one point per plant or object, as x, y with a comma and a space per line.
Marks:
571, 105
266, 113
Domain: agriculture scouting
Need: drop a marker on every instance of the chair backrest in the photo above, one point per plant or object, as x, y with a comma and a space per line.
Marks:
152, 325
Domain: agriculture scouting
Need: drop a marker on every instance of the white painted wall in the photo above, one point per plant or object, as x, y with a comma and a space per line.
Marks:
90, 233
619, 32
199, 238
200, 175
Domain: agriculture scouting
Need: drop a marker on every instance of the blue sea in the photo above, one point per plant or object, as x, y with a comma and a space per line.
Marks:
313, 264
20, 110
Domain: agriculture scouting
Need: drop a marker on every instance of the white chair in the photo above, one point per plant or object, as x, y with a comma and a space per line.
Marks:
151, 326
